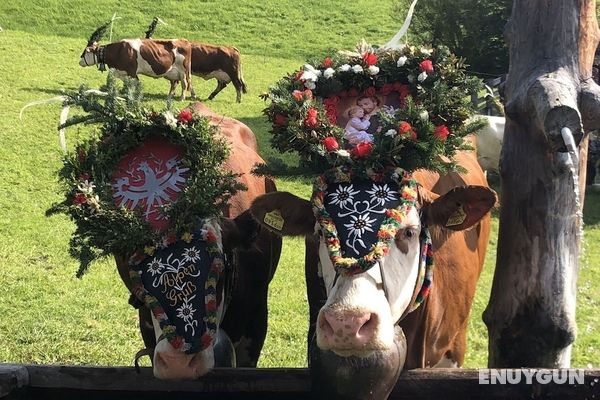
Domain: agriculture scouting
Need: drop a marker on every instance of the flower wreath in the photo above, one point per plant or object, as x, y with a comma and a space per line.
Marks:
423, 129
103, 228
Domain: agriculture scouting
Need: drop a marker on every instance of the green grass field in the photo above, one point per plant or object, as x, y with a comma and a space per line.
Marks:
49, 316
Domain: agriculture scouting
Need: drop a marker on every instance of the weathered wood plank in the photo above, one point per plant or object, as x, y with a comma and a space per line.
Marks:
76, 382
12, 377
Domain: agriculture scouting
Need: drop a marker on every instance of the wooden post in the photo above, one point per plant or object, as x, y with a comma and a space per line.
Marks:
531, 313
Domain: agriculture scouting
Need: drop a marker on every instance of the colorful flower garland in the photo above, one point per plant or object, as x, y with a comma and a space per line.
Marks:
431, 86
169, 331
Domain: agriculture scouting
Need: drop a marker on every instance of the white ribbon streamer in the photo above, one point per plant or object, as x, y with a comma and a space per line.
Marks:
394, 43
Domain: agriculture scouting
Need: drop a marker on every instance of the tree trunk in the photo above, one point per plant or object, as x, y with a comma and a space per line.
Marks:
531, 313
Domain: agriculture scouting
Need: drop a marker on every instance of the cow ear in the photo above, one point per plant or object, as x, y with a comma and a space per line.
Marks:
284, 214
460, 208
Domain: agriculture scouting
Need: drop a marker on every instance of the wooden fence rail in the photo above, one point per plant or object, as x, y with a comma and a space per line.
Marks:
113, 383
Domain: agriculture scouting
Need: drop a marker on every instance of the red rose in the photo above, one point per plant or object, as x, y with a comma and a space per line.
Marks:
298, 95
80, 199
308, 94
331, 101
362, 149
327, 62
185, 116
330, 143
404, 127
426, 66
352, 92
370, 92
210, 237
441, 132
280, 119
370, 59
311, 118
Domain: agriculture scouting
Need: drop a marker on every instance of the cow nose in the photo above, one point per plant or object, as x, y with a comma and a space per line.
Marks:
346, 329
175, 367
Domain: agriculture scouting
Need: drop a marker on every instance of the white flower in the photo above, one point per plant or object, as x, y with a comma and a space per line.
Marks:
343, 153
86, 187
343, 195
373, 70
345, 68
360, 224
357, 69
426, 52
411, 78
310, 68
422, 76
156, 266
186, 311
310, 85
328, 73
170, 119
401, 61
191, 255
381, 193
309, 76
424, 115
391, 133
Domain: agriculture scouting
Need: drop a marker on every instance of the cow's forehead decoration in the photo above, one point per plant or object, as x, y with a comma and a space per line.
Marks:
143, 177
361, 216
178, 283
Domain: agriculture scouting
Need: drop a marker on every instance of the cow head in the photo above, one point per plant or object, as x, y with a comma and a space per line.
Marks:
89, 56
185, 285
375, 262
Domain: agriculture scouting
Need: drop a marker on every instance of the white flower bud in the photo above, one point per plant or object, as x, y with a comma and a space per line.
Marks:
373, 70
411, 78
422, 76
401, 61
328, 73
390, 133
345, 68
343, 153
424, 115
357, 69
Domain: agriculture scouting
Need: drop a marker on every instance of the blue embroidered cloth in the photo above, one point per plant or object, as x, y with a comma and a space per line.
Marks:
357, 209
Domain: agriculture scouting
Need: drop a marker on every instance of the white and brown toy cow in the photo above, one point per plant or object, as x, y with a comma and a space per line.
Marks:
382, 313
169, 59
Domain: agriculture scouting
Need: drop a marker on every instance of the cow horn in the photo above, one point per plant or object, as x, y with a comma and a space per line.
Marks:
152, 26
98, 34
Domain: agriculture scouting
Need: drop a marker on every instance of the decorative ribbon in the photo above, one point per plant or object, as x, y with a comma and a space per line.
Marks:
394, 41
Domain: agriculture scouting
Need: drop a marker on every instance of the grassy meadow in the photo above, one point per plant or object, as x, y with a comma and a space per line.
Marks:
49, 316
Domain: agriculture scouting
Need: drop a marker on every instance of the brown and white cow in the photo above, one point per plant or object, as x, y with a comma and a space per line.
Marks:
254, 254
360, 350
220, 62
170, 59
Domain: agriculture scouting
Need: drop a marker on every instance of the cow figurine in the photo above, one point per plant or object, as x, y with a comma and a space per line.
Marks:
211, 61
252, 255
169, 59
366, 329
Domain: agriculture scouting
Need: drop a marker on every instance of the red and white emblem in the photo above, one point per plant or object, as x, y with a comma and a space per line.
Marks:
150, 176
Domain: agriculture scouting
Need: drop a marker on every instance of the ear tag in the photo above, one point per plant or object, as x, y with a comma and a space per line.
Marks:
458, 217
274, 220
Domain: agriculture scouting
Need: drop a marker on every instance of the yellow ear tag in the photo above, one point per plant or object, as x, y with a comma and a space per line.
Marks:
458, 217
274, 220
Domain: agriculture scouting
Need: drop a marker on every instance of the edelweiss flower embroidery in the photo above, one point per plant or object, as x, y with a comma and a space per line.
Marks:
358, 225
381, 193
186, 313
191, 255
343, 195
156, 266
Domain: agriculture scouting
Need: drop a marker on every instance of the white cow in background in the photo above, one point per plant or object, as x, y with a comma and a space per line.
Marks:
489, 143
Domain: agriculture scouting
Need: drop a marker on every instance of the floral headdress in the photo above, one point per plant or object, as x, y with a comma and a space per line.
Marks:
103, 227
424, 130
